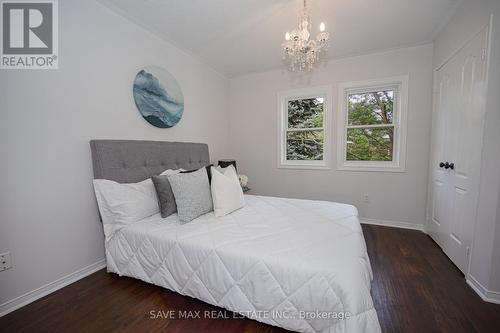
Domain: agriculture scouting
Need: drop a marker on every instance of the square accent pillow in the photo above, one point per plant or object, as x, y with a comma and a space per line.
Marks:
192, 194
166, 199
123, 204
208, 167
227, 194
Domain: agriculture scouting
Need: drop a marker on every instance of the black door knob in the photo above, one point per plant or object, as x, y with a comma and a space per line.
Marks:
452, 166
447, 165
441, 164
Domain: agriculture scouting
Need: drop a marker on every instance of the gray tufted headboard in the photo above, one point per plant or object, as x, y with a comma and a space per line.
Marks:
129, 161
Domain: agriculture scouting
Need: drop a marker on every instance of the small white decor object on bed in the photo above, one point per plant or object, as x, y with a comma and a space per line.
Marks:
123, 204
226, 190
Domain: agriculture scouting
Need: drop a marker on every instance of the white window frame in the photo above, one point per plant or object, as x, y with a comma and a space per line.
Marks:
398, 163
283, 98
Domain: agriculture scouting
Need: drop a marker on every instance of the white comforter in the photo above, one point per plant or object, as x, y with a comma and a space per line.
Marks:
285, 262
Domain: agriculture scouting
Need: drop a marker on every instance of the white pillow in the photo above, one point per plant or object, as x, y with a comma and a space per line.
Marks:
227, 194
123, 204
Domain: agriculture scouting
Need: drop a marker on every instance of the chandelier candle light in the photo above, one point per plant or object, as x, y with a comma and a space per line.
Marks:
298, 50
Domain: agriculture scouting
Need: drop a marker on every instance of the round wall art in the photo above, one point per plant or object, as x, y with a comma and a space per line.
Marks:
158, 97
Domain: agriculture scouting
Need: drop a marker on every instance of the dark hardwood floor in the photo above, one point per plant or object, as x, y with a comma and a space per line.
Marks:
415, 289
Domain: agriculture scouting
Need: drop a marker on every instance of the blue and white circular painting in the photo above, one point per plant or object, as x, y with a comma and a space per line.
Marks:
158, 97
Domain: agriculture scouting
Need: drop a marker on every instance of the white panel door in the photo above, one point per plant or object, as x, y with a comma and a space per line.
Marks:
457, 138
440, 203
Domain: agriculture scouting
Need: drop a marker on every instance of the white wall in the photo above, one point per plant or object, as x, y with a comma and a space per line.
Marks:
393, 196
469, 18
490, 171
48, 215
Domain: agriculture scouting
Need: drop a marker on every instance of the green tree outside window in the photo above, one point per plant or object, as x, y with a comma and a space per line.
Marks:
305, 133
370, 127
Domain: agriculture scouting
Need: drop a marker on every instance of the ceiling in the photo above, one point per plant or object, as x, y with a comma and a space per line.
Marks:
237, 37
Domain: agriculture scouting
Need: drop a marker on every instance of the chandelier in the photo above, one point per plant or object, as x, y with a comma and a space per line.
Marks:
299, 51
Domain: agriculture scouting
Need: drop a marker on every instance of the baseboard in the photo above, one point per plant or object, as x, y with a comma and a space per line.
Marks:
394, 224
485, 294
49, 288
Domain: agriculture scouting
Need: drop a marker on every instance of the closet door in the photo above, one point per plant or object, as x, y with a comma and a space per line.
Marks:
465, 149
440, 140
457, 138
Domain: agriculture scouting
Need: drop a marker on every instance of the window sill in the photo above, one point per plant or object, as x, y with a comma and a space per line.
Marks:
372, 168
304, 166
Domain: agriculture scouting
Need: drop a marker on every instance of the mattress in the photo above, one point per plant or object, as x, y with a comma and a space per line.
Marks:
297, 264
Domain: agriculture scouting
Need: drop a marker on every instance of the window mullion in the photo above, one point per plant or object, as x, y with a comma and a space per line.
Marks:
313, 129
371, 126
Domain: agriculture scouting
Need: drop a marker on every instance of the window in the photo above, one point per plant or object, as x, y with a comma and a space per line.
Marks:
372, 125
304, 139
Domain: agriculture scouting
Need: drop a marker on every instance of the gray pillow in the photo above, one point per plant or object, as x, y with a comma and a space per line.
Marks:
192, 194
166, 199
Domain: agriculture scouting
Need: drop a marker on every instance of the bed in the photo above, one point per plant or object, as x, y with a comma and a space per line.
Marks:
297, 264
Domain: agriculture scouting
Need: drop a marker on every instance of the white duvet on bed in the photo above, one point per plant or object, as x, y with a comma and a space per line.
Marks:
281, 261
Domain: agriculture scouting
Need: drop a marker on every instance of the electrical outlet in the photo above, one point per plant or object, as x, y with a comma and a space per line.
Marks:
5, 262
366, 198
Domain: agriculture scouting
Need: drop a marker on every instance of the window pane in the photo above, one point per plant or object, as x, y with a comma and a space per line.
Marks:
305, 113
304, 145
371, 108
370, 144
